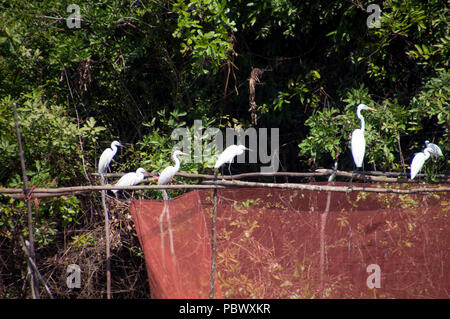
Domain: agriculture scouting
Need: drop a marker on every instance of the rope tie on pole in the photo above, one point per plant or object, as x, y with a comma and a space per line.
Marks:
27, 193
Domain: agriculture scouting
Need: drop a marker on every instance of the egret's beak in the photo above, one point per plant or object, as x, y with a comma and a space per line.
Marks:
181, 153
249, 150
371, 109
122, 145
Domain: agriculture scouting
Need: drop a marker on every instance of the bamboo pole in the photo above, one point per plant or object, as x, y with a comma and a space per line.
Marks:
327, 188
107, 240
213, 239
67, 191
322, 234
34, 283
317, 173
381, 176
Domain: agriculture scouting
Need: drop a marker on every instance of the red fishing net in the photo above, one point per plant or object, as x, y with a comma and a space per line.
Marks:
275, 243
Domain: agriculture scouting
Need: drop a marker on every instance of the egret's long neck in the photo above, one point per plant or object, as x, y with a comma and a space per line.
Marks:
114, 149
427, 153
177, 162
363, 124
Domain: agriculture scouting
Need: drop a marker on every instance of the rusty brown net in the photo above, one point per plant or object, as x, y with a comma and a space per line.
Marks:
277, 243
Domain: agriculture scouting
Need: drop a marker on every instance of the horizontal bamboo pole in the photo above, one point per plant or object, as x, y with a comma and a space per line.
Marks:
369, 176
66, 191
89, 188
332, 188
237, 176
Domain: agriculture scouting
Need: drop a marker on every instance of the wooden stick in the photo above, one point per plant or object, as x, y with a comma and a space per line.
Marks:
89, 188
327, 188
317, 172
108, 250
213, 240
26, 249
379, 176
68, 191
34, 282
323, 222
238, 176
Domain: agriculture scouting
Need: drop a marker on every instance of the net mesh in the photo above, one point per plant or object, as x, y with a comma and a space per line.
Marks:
278, 243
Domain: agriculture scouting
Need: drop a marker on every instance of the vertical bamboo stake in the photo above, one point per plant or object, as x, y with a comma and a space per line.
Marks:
323, 221
213, 240
108, 256
33, 281
401, 154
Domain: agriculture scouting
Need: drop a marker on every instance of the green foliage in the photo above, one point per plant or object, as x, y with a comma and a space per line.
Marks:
138, 70
55, 139
155, 149
52, 215
326, 134
205, 30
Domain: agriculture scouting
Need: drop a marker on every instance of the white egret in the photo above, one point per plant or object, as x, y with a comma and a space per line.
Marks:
435, 151
106, 157
131, 179
228, 155
164, 178
418, 161
170, 171
358, 142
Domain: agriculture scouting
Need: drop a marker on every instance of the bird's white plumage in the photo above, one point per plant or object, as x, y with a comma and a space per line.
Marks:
170, 171
418, 161
229, 153
107, 156
358, 141
435, 151
131, 179
358, 147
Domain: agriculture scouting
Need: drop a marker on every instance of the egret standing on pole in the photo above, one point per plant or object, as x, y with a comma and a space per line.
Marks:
418, 161
170, 171
228, 155
164, 178
106, 157
130, 179
358, 141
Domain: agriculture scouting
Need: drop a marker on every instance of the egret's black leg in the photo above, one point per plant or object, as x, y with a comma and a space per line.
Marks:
364, 173
229, 170
222, 170
106, 178
351, 179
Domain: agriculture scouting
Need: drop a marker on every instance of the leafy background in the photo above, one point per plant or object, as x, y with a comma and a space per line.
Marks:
136, 70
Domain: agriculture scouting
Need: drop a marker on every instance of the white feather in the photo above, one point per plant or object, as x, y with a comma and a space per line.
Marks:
229, 153
131, 179
418, 161
358, 141
358, 146
170, 171
107, 156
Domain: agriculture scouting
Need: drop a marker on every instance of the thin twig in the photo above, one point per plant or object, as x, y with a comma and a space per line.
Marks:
25, 248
